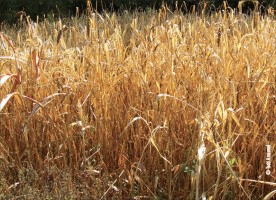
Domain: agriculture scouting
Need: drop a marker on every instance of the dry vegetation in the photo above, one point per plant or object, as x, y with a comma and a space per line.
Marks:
153, 105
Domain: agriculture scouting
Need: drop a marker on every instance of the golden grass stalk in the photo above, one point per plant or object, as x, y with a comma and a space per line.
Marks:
148, 104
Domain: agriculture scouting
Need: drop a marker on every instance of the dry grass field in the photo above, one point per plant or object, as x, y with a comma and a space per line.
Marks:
143, 105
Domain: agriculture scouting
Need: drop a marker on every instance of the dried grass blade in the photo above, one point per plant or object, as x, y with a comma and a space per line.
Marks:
44, 102
8, 97
263, 182
11, 45
12, 58
35, 60
151, 140
4, 78
59, 36
131, 122
270, 195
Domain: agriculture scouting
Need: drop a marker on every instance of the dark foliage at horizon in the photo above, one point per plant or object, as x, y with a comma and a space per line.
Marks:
61, 8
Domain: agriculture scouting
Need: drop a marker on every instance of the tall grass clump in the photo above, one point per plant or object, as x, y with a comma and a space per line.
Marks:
138, 105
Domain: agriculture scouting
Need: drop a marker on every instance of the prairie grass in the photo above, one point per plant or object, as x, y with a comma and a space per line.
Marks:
142, 105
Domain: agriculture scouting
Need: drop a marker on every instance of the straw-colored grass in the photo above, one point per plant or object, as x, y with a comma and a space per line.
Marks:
153, 105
